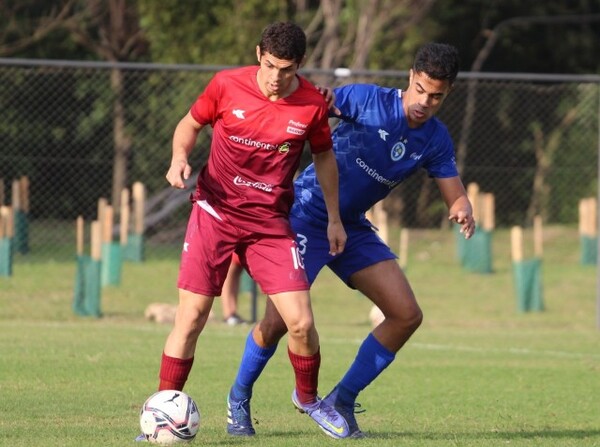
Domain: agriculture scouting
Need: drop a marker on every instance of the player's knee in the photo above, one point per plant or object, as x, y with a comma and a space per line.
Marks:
406, 320
415, 318
191, 320
301, 328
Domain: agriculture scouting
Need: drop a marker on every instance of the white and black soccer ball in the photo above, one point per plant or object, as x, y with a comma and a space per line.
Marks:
168, 417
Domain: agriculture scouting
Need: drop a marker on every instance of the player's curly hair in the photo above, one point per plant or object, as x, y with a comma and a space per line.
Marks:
438, 61
284, 40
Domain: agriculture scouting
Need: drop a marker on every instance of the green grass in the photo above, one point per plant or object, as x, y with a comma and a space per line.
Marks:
477, 373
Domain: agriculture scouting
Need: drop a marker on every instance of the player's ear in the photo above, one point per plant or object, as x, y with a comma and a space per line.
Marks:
258, 53
302, 62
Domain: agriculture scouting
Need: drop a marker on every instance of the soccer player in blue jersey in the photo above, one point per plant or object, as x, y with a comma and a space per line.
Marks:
384, 136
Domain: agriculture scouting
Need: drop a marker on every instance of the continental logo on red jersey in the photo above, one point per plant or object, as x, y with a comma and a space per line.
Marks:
252, 143
296, 127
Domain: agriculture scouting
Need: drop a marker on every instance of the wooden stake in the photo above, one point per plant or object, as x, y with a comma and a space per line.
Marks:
516, 242
473, 195
24, 192
403, 256
593, 216
102, 204
3, 222
538, 237
583, 217
79, 235
107, 226
16, 196
96, 241
139, 204
124, 215
488, 211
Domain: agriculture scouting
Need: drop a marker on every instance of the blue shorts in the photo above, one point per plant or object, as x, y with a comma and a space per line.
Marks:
363, 249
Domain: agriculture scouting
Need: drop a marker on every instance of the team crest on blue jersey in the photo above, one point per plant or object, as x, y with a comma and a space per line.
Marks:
398, 151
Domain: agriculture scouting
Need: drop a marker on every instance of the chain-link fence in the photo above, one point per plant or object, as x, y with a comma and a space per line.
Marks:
74, 132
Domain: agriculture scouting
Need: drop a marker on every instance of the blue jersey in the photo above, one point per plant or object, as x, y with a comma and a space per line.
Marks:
375, 151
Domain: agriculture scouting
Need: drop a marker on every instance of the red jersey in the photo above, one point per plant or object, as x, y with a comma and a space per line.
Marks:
256, 147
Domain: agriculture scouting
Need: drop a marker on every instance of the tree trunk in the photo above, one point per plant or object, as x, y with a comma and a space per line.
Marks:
544, 154
121, 141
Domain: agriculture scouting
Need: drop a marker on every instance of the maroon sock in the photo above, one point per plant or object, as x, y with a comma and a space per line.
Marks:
174, 372
307, 375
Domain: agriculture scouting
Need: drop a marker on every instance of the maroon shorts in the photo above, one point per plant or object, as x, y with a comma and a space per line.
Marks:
273, 261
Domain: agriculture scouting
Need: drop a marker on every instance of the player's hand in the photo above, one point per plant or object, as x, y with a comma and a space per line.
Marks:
179, 171
337, 238
466, 222
329, 99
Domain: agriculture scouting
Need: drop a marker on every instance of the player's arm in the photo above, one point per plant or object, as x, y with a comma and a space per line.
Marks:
184, 139
327, 175
457, 201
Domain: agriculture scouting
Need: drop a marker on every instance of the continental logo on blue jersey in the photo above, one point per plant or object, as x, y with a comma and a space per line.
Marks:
398, 151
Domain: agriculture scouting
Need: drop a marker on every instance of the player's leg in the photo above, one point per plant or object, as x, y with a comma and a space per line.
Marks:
279, 270
230, 292
202, 271
386, 285
305, 357
369, 266
178, 354
255, 357
262, 340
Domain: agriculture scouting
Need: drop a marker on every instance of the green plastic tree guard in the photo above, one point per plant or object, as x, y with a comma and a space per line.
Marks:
528, 284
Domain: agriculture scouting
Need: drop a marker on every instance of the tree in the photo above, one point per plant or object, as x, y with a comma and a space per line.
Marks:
111, 30
24, 24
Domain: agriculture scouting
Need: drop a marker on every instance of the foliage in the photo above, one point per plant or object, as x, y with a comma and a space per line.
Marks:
61, 124
476, 374
206, 32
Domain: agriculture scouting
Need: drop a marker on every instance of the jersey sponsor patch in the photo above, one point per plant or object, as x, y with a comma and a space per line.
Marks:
239, 181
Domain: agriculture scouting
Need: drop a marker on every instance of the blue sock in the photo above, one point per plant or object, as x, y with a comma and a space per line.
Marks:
372, 358
253, 362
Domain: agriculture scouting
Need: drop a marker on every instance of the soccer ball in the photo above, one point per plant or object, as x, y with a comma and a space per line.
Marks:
168, 417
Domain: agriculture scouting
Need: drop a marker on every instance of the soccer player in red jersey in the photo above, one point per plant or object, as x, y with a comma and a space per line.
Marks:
261, 118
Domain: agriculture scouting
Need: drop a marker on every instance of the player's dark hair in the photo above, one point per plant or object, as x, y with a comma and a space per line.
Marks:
438, 61
284, 40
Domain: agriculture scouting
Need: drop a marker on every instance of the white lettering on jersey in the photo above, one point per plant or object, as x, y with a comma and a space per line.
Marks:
239, 113
294, 131
375, 175
258, 185
253, 143
296, 127
297, 124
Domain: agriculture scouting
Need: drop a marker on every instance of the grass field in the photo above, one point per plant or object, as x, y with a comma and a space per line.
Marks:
477, 373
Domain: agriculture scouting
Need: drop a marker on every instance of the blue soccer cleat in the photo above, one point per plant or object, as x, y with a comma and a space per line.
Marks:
141, 438
239, 422
329, 420
347, 412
